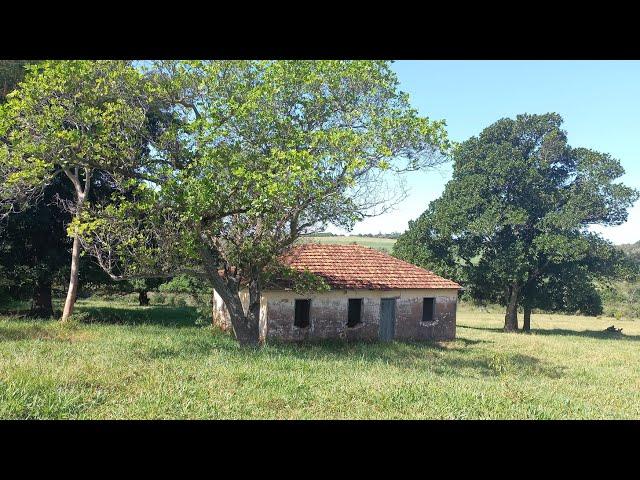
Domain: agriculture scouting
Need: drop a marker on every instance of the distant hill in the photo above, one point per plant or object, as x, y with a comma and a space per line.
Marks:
379, 243
392, 235
631, 249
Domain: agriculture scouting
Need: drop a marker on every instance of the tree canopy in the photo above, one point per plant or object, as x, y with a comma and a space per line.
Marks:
11, 73
513, 222
71, 118
256, 153
32, 243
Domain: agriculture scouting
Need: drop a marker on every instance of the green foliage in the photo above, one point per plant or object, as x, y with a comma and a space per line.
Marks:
621, 298
77, 117
632, 250
514, 218
186, 290
11, 74
184, 284
283, 144
252, 154
34, 244
68, 115
282, 276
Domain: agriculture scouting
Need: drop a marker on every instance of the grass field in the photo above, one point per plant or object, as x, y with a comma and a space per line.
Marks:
157, 363
384, 244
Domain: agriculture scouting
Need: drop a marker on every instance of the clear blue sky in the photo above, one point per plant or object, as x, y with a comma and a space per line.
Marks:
599, 101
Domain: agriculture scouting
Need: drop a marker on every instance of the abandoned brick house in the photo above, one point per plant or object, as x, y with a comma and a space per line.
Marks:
373, 296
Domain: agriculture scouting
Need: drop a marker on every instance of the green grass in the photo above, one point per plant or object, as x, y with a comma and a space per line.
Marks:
155, 362
384, 244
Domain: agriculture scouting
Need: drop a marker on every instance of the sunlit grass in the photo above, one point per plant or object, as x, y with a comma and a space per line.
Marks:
155, 362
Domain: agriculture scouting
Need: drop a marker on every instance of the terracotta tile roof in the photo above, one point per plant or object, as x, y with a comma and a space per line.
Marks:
360, 267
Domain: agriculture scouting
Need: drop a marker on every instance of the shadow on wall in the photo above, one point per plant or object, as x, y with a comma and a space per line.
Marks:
599, 334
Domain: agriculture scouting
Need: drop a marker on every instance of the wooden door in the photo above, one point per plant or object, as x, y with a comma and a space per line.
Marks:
387, 319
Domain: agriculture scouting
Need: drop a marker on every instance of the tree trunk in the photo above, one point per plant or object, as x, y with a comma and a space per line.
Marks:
81, 195
511, 317
253, 313
245, 324
526, 326
41, 305
143, 298
72, 292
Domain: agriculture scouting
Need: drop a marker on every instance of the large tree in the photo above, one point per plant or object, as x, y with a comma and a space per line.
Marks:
32, 243
513, 222
258, 153
34, 250
11, 73
70, 119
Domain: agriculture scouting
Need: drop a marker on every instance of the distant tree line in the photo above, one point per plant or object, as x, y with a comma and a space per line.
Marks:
392, 235
632, 250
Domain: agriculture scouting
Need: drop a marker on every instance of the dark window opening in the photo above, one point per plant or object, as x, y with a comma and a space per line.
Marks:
302, 313
354, 315
428, 305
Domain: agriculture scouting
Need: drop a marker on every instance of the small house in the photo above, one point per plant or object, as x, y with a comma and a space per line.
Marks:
372, 296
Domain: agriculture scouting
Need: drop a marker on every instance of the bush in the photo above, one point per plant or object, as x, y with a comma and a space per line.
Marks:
621, 298
179, 302
183, 284
158, 298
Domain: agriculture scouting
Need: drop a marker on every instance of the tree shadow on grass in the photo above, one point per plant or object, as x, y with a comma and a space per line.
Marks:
497, 364
457, 358
32, 333
36, 330
409, 355
488, 329
161, 315
598, 334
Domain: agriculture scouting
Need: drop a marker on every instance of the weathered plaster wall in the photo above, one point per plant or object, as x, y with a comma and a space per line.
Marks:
409, 324
221, 314
329, 315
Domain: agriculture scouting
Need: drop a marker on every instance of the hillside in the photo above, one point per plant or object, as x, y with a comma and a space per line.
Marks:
631, 249
382, 244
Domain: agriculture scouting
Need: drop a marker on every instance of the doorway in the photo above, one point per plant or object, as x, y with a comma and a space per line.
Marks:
387, 319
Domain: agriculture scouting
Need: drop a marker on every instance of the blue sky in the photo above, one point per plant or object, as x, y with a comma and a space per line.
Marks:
599, 101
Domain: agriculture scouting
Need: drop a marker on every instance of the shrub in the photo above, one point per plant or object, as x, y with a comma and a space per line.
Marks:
183, 284
159, 298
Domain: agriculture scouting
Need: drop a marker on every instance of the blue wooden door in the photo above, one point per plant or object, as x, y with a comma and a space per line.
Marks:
387, 319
